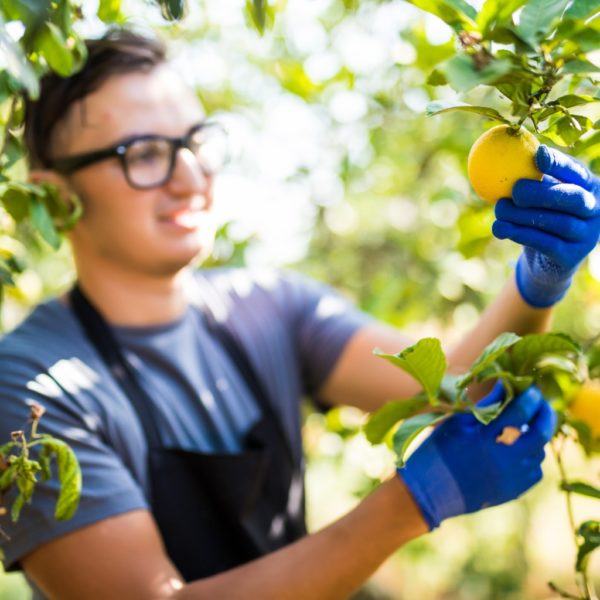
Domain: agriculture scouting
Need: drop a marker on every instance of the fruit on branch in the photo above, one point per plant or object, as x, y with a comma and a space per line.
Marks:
498, 158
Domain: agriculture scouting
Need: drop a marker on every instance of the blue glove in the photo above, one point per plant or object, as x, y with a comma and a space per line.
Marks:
461, 468
556, 219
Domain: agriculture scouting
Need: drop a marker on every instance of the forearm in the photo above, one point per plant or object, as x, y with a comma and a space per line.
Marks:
329, 564
509, 312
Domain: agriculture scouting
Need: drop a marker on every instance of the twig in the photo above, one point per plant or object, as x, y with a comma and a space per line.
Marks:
581, 577
562, 592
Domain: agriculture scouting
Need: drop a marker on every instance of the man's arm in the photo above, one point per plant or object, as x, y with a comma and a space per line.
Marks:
556, 220
361, 379
123, 557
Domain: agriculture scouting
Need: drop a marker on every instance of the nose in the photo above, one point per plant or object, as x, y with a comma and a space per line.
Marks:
189, 177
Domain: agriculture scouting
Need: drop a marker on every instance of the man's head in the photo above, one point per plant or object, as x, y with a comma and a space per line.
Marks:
126, 88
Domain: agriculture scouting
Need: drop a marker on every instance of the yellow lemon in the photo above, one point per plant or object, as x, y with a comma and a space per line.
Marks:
498, 158
585, 406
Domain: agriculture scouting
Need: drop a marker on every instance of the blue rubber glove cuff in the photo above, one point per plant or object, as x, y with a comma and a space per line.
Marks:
432, 486
540, 280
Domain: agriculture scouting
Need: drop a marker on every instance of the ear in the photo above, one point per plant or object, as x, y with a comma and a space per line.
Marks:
65, 189
40, 176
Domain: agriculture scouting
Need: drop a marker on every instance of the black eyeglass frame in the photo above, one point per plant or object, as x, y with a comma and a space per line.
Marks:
69, 164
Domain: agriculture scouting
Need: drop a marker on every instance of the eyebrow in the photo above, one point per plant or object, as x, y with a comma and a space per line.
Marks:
151, 135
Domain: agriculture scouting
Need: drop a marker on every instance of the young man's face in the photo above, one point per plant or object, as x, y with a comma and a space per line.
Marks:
154, 231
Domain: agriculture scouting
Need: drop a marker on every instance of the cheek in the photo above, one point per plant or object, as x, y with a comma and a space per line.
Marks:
113, 208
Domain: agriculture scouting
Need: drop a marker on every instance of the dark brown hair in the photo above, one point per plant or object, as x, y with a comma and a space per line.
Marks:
118, 51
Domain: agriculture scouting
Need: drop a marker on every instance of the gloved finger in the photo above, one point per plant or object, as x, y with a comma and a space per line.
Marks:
540, 432
564, 197
545, 243
520, 410
562, 225
563, 167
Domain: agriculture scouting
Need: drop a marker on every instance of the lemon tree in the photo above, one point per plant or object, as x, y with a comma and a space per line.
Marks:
536, 56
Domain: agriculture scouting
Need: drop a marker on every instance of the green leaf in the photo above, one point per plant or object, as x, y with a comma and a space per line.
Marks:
44, 458
69, 476
581, 9
463, 75
8, 476
109, 11
580, 66
41, 220
590, 531
17, 506
6, 448
486, 414
496, 12
16, 203
438, 107
16, 63
584, 434
172, 10
425, 361
260, 13
5, 275
382, 420
517, 383
409, 429
570, 100
436, 78
456, 13
52, 45
558, 363
531, 348
449, 388
582, 488
489, 355
569, 128
593, 361
538, 17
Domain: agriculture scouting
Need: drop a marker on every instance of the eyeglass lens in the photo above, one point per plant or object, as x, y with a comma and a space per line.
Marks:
148, 161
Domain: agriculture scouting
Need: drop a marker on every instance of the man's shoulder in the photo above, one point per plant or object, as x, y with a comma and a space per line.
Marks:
49, 333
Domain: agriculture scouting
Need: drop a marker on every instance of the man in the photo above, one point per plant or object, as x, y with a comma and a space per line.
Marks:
179, 390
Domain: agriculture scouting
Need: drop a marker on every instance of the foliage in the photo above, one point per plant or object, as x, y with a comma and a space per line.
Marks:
525, 62
18, 470
552, 361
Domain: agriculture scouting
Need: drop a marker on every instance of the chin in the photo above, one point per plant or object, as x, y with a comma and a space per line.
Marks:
193, 255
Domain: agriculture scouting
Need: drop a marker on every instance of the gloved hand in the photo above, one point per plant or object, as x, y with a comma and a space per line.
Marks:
461, 468
556, 219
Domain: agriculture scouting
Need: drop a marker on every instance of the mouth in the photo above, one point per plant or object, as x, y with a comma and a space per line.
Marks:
187, 218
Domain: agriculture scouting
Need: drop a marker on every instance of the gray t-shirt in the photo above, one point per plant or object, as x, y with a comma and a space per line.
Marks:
292, 328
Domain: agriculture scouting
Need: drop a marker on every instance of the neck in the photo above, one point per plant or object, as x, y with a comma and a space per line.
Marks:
135, 299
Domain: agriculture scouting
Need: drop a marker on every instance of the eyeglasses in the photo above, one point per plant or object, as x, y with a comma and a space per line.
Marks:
149, 160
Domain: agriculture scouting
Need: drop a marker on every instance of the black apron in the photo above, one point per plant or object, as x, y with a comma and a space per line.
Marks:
214, 511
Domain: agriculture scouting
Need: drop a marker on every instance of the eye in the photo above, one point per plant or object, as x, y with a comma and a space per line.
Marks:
148, 151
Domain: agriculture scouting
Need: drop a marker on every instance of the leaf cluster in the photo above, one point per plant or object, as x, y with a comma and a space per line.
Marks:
553, 361
19, 470
526, 50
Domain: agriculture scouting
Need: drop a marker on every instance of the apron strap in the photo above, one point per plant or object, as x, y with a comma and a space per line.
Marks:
103, 339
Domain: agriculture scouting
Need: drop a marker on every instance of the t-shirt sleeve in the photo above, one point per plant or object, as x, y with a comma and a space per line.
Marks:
322, 321
108, 488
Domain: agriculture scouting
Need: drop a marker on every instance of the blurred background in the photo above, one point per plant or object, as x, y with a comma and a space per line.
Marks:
338, 173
